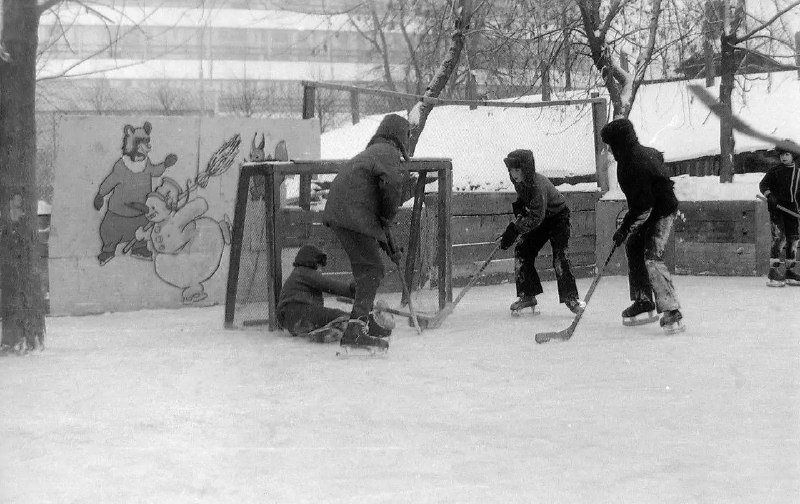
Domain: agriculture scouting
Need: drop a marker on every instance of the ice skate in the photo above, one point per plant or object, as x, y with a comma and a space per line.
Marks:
381, 322
775, 278
575, 305
792, 278
672, 322
330, 332
356, 341
639, 313
522, 303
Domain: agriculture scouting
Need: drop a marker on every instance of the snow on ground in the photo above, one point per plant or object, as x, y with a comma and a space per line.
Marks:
167, 406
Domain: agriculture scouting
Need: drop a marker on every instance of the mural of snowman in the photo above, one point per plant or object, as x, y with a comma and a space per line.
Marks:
186, 245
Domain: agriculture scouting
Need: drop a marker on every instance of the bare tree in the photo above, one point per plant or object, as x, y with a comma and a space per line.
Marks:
734, 19
172, 99
608, 30
462, 14
248, 99
22, 307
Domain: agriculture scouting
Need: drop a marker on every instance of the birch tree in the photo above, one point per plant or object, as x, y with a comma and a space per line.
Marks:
612, 28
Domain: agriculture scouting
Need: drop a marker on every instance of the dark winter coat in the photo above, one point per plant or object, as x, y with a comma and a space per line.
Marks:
366, 193
306, 285
784, 183
641, 175
537, 197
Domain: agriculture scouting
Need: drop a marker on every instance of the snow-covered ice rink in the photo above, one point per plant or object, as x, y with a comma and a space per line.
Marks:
169, 407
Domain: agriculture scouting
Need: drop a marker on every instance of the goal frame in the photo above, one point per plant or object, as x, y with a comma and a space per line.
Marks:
274, 173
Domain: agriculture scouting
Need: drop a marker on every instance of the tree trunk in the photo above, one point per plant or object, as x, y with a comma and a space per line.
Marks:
419, 113
20, 265
726, 142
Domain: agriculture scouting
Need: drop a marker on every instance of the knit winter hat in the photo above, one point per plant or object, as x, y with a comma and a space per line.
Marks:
395, 128
521, 158
310, 256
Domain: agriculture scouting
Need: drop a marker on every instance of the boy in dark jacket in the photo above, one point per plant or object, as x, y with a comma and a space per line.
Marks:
652, 207
301, 308
542, 214
363, 200
781, 186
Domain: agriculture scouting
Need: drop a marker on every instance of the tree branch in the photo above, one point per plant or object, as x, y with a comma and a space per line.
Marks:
47, 5
774, 18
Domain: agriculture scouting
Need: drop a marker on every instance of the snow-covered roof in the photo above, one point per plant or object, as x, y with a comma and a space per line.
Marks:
666, 116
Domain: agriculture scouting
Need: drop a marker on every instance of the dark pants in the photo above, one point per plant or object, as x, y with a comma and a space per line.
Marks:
648, 275
300, 318
556, 229
366, 261
784, 229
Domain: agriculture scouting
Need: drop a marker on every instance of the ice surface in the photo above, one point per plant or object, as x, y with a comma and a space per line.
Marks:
167, 406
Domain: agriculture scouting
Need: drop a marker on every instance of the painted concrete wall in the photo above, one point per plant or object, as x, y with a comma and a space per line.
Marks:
183, 232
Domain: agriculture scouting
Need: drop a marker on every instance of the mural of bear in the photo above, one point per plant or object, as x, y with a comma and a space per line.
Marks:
128, 184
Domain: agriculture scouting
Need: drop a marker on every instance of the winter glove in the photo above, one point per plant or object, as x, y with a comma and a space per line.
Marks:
394, 255
509, 236
518, 208
98, 202
170, 160
619, 236
772, 202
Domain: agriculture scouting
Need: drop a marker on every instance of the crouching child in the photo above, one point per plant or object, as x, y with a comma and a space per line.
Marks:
301, 305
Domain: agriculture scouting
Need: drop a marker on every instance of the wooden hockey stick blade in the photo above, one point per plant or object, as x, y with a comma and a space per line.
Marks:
423, 318
780, 207
436, 321
566, 334
737, 123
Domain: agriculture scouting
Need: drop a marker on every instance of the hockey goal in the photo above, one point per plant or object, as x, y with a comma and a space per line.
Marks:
267, 233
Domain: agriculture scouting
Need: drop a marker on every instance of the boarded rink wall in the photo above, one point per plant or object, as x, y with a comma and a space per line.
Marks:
724, 238
477, 221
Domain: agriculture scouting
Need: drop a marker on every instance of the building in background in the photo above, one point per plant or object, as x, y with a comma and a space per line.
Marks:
239, 57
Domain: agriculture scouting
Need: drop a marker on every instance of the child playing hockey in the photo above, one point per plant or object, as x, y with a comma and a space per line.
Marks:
781, 186
652, 207
363, 200
542, 214
301, 308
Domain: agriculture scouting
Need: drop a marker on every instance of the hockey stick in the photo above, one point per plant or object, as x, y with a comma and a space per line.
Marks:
437, 320
737, 123
406, 292
567, 333
423, 318
780, 207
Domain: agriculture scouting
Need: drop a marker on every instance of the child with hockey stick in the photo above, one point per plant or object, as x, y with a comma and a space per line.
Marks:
652, 207
363, 200
542, 214
781, 186
301, 307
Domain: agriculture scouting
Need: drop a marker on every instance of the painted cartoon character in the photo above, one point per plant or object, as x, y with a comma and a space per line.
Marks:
129, 183
187, 247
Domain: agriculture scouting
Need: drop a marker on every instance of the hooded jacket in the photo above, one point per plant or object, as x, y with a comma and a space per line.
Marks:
537, 197
783, 181
641, 175
306, 284
366, 193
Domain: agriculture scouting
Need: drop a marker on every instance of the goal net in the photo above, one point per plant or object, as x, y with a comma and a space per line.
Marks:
268, 230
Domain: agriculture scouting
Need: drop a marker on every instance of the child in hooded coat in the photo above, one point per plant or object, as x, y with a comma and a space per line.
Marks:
652, 207
542, 215
362, 202
781, 186
301, 308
